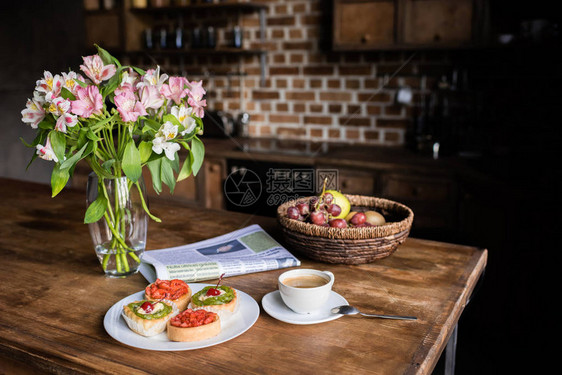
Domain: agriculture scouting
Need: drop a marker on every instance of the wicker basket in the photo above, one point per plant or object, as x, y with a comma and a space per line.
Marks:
349, 245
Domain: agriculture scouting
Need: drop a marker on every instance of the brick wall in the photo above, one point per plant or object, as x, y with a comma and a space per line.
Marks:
310, 92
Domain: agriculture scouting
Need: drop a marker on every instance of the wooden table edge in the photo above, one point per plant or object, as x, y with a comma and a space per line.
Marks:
479, 261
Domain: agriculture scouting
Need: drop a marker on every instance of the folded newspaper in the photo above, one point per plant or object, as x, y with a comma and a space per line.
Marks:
246, 250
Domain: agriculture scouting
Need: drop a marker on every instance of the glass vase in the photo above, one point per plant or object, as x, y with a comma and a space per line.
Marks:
120, 235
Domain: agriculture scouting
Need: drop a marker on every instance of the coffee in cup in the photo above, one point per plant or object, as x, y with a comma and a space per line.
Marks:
305, 290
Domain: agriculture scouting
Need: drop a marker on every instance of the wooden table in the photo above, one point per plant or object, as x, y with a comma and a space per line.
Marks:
54, 297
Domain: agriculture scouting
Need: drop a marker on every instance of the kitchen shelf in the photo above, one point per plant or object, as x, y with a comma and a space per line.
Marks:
247, 7
202, 51
180, 11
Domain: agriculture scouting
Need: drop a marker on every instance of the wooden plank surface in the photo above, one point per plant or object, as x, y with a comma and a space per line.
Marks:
54, 298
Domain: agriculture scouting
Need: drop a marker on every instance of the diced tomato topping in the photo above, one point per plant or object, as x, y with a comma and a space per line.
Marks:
193, 318
167, 289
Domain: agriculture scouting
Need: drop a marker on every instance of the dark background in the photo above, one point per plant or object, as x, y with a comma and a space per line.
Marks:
515, 110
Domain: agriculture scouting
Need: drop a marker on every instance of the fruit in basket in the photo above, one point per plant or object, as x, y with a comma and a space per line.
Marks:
374, 218
350, 215
293, 213
304, 208
338, 223
337, 198
319, 217
358, 219
334, 210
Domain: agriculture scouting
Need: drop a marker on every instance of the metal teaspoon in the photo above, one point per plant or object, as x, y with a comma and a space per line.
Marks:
350, 310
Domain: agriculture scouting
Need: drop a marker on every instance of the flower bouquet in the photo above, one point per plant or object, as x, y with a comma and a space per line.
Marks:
118, 119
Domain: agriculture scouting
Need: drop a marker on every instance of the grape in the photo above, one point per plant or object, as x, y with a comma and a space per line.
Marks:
338, 223
303, 208
312, 203
293, 213
358, 218
328, 198
318, 217
334, 209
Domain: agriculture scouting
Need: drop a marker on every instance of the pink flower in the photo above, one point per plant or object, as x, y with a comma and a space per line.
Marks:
95, 70
129, 108
89, 102
196, 90
150, 97
33, 113
198, 106
175, 90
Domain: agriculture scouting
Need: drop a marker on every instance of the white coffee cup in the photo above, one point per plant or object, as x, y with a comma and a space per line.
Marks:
310, 297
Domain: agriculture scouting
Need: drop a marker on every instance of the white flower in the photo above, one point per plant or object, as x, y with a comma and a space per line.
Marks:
153, 78
50, 86
60, 107
183, 114
70, 81
159, 144
168, 130
46, 152
33, 114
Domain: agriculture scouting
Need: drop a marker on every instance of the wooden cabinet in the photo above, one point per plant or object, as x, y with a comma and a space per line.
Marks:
203, 190
433, 199
402, 24
364, 24
435, 22
357, 182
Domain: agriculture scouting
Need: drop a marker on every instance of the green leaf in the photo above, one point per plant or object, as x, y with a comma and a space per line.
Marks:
173, 119
139, 70
66, 94
145, 149
154, 166
175, 163
167, 174
58, 143
197, 154
154, 125
46, 125
39, 139
59, 178
74, 158
112, 84
115, 61
185, 170
105, 56
102, 173
132, 162
108, 164
96, 210
81, 84
92, 136
99, 124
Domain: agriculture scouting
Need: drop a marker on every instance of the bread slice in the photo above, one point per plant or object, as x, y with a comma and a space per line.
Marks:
148, 327
168, 289
197, 333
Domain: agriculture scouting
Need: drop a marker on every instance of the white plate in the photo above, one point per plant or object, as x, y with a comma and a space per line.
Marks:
247, 314
274, 306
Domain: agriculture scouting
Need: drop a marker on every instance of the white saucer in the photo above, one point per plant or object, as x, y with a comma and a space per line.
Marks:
274, 306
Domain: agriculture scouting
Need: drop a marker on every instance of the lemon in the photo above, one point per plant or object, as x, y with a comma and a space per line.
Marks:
341, 201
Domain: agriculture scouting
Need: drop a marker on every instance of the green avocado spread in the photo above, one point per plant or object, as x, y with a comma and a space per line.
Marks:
221, 299
156, 315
